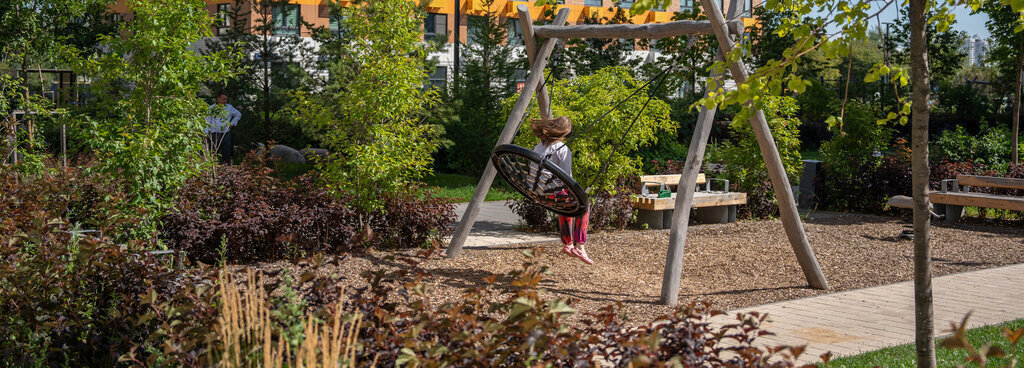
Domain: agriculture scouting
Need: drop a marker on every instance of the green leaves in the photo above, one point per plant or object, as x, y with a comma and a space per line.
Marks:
153, 135
584, 99
641, 6
370, 112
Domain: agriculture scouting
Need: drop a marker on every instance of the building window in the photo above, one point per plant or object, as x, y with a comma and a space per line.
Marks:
625, 4
515, 32
627, 43
592, 3
223, 18
336, 24
685, 5
439, 78
474, 24
116, 18
435, 26
286, 19
748, 8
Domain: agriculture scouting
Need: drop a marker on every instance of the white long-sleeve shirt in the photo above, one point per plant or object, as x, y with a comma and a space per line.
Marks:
561, 156
221, 118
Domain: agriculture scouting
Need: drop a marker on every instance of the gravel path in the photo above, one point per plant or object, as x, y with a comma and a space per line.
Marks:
730, 265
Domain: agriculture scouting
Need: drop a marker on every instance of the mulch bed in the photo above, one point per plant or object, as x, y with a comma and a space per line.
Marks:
731, 265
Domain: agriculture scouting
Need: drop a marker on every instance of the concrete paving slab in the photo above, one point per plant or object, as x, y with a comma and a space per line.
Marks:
856, 321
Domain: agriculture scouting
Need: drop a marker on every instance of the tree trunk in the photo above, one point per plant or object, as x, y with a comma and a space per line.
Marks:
925, 328
1016, 106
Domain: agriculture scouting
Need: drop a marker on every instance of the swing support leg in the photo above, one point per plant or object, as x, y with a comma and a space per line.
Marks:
511, 125
530, 41
684, 200
776, 171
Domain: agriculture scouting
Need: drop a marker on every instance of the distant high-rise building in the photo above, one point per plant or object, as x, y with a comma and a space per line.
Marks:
976, 49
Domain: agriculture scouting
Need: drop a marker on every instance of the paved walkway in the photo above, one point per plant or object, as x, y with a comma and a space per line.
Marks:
856, 321
497, 225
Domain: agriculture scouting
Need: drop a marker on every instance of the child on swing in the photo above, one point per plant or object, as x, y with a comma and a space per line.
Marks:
551, 133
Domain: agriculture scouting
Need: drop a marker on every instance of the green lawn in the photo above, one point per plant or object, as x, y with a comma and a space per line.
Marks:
455, 186
904, 356
810, 155
461, 187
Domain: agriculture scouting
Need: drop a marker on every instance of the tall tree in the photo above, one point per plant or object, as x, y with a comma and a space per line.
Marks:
370, 112
147, 83
766, 43
43, 34
277, 63
487, 78
921, 85
1008, 54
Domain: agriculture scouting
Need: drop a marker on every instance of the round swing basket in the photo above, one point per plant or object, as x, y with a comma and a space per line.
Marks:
540, 180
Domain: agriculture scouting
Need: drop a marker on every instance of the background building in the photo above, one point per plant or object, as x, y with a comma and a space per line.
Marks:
977, 49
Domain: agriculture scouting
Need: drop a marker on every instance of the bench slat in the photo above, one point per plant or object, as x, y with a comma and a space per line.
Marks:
700, 199
990, 181
671, 179
978, 200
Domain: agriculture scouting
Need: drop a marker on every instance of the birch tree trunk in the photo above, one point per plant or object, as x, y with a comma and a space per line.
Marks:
923, 318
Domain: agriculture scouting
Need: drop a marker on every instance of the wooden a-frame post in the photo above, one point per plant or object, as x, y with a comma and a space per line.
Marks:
723, 31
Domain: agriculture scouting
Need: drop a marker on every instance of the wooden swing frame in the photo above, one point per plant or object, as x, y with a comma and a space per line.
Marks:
723, 31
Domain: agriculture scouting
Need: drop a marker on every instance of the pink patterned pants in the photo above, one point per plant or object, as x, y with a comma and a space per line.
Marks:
573, 229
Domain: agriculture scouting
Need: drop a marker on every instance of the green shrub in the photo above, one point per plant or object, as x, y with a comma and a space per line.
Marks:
990, 147
857, 143
584, 99
743, 164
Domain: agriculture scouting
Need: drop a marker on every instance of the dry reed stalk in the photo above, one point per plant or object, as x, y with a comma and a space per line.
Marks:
246, 332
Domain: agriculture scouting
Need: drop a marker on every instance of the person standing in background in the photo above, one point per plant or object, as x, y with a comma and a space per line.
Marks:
221, 118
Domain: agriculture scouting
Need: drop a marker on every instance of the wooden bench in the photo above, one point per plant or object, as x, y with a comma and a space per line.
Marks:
712, 206
955, 194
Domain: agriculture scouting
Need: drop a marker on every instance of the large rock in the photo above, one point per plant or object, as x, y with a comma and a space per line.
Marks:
315, 154
285, 154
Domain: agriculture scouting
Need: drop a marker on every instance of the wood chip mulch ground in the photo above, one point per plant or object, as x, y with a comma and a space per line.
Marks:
729, 265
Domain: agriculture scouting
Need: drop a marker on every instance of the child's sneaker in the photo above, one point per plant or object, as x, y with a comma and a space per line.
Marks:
567, 249
582, 255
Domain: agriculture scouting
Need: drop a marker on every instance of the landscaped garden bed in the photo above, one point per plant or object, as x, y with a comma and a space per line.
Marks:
734, 265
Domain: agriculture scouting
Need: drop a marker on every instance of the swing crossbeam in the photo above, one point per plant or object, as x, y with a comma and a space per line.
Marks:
635, 31
724, 31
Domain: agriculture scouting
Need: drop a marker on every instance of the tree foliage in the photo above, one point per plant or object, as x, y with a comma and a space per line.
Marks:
1005, 24
275, 65
946, 54
586, 98
587, 56
486, 79
36, 35
151, 133
370, 111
